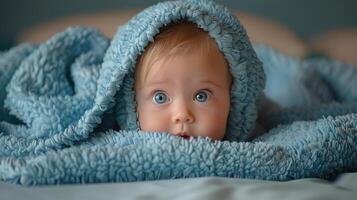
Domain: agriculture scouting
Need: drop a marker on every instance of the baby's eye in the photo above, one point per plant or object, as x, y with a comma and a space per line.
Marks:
160, 97
201, 96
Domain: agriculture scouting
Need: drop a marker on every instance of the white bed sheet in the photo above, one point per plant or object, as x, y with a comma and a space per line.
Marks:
345, 187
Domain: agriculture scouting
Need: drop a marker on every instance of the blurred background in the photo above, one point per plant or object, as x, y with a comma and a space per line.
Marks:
307, 19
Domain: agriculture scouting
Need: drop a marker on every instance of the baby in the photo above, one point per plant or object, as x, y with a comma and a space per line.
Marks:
184, 79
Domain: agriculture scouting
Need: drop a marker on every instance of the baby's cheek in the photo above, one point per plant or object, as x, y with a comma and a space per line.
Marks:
152, 123
212, 127
217, 131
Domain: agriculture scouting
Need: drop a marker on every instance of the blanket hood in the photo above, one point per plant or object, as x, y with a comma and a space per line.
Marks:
117, 76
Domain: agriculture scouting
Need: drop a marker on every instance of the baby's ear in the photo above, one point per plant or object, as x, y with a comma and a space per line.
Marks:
265, 31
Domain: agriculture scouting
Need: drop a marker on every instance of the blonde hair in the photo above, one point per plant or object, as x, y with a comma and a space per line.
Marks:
176, 38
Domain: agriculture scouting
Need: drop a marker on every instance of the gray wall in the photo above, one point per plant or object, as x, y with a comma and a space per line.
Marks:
305, 17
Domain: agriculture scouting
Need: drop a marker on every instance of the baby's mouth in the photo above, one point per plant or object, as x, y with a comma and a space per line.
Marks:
184, 135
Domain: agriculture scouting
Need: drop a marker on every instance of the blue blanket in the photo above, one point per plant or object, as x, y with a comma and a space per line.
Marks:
68, 110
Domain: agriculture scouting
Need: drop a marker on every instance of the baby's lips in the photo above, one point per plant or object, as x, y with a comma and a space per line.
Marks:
186, 137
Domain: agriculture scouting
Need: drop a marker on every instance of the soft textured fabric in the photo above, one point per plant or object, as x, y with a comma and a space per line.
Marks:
65, 97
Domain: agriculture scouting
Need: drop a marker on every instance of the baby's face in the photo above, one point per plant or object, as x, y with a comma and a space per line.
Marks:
185, 95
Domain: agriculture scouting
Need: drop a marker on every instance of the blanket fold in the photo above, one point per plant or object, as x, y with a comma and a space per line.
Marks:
68, 110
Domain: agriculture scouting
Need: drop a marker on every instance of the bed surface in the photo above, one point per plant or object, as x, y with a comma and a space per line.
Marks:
344, 187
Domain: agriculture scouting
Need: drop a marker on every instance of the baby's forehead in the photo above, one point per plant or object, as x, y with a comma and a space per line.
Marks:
201, 67
166, 49
206, 56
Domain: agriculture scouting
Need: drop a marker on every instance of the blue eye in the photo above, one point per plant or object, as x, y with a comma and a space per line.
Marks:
201, 96
160, 98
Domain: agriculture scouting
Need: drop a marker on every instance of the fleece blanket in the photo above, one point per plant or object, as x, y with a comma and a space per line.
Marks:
68, 109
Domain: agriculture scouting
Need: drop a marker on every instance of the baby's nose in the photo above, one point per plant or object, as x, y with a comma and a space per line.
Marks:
183, 117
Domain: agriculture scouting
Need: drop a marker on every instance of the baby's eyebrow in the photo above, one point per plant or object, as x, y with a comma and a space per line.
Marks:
154, 84
210, 83
159, 82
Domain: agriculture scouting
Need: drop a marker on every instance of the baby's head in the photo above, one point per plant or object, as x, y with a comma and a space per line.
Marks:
182, 84
182, 79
